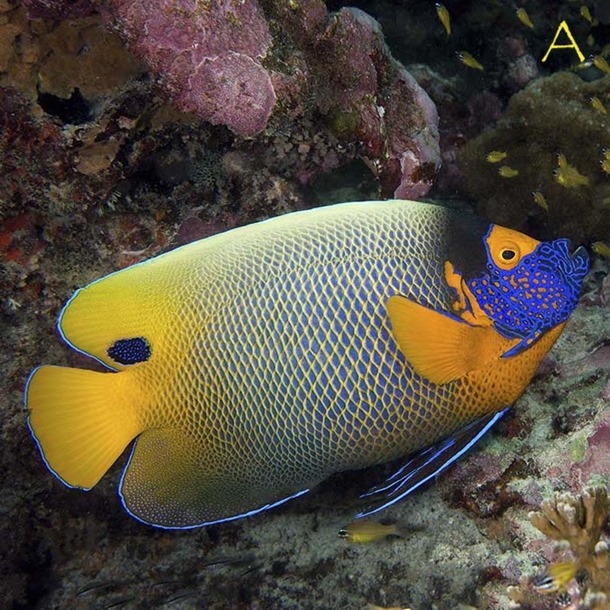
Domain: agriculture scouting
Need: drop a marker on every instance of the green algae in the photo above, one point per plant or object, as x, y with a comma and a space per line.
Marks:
552, 116
578, 448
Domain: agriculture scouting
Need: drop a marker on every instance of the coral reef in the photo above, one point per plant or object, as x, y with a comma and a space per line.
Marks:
208, 54
550, 117
57, 62
98, 171
233, 64
58, 9
576, 523
259, 71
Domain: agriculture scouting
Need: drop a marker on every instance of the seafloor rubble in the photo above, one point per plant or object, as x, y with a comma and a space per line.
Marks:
100, 169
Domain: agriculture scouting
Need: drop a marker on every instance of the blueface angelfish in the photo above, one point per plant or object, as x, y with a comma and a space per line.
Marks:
253, 364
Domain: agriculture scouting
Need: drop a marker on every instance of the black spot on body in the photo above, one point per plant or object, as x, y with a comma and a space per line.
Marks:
130, 351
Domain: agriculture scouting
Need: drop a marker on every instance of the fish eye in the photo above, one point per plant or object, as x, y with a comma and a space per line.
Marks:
507, 255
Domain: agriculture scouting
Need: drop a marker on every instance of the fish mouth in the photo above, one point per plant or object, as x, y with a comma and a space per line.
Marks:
575, 265
581, 255
580, 261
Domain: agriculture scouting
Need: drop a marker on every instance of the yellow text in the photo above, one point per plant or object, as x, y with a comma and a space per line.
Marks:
563, 27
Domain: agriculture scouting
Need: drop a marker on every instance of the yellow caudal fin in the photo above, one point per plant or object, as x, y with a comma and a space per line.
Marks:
439, 347
81, 420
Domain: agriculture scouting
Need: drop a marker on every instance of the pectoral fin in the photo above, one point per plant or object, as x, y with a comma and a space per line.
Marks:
439, 346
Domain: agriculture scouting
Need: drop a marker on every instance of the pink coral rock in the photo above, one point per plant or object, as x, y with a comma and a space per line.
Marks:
207, 54
58, 9
231, 89
398, 122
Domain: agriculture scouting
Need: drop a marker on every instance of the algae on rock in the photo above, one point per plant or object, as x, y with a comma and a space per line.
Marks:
552, 116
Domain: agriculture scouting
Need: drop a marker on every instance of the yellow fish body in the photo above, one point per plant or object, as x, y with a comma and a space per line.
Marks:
363, 531
444, 17
601, 64
253, 364
567, 175
601, 248
495, 156
586, 13
540, 200
598, 105
524, 18
557, 577
508, 172
468, 60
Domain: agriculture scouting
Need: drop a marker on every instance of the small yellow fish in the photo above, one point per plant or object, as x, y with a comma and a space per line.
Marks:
567, 175
596, 104
540, 200
508, 172
495, 156
445, 18
605, 163
556, 577
585, 13
524, 18
601, 64
362, 531
601, 248
468, 60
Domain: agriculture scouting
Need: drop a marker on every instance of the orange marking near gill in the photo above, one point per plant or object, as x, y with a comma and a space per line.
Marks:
475, 317
454, 280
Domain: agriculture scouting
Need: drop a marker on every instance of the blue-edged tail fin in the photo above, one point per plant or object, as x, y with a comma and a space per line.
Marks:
428, 463
81, 420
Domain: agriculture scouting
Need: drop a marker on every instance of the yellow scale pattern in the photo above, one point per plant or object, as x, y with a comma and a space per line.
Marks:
279, 365
273, 364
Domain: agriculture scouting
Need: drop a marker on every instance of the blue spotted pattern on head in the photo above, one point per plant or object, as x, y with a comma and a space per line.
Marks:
130, 351
537, 294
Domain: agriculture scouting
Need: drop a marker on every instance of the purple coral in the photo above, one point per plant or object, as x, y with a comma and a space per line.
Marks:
416, 148
207, 54
398, 122
58, 9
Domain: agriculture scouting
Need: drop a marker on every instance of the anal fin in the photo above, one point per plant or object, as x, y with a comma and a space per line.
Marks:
169, 482
428, 463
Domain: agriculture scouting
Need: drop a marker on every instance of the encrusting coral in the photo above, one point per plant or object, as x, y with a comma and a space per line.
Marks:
59, 57
260, 69
243, 64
